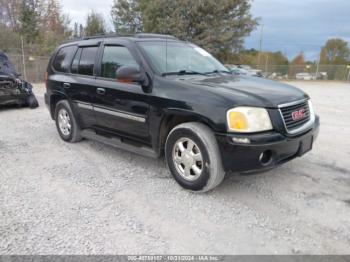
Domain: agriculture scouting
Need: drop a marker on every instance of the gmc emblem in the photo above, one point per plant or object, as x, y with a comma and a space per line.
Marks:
299, 114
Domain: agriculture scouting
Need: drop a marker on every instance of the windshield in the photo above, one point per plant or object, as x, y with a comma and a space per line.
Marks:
181, 58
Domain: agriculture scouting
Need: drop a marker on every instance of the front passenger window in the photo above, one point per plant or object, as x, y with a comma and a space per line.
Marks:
113, 58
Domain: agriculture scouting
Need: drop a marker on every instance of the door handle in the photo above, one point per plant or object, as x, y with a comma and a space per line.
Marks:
66, 85
101, 91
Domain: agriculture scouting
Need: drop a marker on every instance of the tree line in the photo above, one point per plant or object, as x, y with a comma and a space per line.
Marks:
218, 26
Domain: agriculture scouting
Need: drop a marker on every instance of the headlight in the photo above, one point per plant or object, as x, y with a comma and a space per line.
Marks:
248, 120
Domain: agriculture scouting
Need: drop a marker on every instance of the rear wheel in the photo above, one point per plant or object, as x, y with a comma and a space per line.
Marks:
66, 124
193, 157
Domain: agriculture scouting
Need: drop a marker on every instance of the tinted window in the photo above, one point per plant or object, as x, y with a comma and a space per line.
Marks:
115, 57
75, 63
63, 58
87, 61
172, 57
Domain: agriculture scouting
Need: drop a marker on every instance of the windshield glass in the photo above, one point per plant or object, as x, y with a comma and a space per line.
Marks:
181, 58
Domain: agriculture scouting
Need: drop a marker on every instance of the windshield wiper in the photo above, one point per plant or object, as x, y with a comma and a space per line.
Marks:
217, 72
183, 72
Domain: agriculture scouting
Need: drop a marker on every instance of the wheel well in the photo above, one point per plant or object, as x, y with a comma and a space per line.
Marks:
170, 122
53, 102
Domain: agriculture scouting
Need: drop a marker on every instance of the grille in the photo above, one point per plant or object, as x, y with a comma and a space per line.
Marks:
287, 114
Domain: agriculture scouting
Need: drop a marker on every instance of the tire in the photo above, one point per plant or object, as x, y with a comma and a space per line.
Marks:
204, 157
71, 132
32, 102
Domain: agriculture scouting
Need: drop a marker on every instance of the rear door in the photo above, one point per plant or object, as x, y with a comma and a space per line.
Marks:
120, 107
81, 85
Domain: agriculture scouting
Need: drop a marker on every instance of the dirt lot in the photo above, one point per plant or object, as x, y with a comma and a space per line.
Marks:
59, 198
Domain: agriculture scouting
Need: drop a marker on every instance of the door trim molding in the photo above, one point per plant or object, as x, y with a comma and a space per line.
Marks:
120, 114
84, 105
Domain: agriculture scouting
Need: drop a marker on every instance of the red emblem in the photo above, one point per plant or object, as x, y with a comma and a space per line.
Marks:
299, 114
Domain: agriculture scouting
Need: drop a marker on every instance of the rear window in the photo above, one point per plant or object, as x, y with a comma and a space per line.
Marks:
63, 58
87, 61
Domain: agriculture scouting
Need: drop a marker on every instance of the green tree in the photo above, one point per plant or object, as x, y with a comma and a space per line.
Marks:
81, 31
126, 16
94, 24
76, 30
29, 19
10, 43
335, 52
218, 26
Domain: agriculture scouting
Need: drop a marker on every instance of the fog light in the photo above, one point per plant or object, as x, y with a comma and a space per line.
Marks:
266, 158
241, 140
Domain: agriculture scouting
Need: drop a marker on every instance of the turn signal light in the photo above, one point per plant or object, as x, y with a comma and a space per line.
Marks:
237, 121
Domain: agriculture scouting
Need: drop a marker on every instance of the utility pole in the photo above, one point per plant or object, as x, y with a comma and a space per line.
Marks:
23, 60
318, 66
260, 47
266, 62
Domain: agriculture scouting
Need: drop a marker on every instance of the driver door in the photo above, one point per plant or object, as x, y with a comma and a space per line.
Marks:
120, 107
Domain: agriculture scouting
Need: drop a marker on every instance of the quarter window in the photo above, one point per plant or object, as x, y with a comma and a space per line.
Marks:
63, 58
87, 61
115, 57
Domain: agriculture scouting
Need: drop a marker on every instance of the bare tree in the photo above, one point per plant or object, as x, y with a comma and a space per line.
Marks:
9, 13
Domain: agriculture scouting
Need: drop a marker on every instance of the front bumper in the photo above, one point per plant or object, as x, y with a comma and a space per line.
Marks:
265, 150
9, 99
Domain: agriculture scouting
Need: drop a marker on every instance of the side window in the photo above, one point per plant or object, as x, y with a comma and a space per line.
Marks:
75, 63
87, 61
63, 58
113, 58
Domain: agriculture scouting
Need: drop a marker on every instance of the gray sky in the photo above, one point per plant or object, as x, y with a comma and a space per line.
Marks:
290, 26
300, 25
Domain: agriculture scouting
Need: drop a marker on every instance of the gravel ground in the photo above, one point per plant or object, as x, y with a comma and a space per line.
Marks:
88, 198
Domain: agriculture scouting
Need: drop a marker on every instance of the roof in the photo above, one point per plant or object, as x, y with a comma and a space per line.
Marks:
93, 39
139, 35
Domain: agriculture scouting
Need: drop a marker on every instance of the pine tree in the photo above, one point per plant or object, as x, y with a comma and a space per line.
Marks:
81, 31
94, 24
76, 30
218, 25
126, 16
29, 19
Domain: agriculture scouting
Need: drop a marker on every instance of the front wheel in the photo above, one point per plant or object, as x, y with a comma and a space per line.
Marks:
193, 157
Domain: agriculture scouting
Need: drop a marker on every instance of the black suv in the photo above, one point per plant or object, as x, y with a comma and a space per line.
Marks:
153, 94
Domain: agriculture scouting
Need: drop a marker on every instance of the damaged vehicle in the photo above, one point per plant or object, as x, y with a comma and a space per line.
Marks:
13, 90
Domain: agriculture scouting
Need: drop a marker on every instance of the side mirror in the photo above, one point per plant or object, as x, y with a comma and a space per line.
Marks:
130, 74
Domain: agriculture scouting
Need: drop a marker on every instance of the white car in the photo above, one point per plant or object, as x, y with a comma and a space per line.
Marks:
244, 70
304, 76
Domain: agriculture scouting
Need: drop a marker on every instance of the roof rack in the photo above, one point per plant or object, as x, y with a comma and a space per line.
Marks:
139, 35
148, 35
106, 36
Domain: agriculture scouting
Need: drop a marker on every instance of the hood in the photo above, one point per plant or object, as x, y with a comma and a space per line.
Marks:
249, 91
